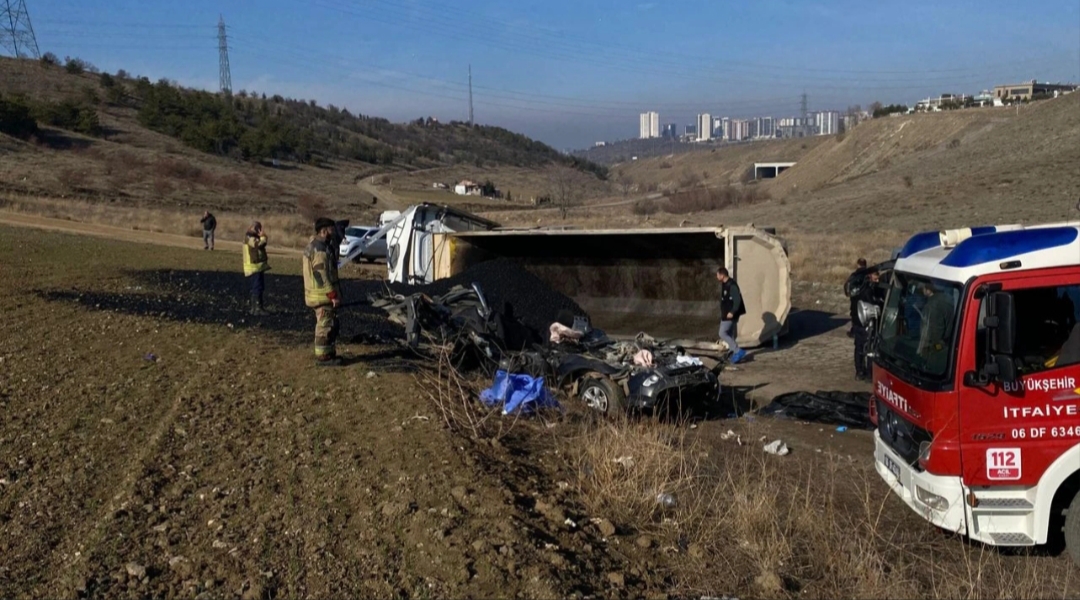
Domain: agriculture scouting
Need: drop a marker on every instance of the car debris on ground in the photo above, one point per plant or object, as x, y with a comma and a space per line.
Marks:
499, 318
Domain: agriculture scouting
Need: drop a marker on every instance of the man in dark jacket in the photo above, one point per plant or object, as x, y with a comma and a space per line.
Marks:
860, 269
209, 224
731, 308
871, 293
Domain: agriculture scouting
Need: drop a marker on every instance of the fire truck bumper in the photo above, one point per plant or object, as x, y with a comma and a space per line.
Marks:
937, 499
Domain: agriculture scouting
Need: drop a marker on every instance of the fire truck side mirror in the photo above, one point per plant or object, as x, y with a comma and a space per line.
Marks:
1001, 323
1000, 326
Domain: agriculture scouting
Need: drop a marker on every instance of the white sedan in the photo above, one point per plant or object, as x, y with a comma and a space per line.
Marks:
353, 237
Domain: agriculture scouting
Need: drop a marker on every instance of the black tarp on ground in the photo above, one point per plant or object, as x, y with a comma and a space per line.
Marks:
835, 408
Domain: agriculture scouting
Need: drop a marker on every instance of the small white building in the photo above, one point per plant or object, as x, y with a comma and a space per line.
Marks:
467, 188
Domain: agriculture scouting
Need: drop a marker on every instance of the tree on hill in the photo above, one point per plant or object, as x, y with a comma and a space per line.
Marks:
250, 127
16, 119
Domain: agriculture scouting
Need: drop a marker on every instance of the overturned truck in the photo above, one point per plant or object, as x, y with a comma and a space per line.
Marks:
628, 280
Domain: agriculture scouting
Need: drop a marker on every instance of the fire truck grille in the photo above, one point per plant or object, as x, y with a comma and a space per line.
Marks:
903, 436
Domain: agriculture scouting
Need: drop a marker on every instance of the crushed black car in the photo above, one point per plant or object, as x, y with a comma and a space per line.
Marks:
608, 375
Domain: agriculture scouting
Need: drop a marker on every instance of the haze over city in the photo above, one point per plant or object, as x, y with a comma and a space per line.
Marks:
570, 73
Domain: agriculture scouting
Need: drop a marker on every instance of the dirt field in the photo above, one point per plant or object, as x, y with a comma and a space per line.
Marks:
157, 442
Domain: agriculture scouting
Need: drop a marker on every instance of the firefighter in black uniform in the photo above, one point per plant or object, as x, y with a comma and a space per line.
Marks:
870, 292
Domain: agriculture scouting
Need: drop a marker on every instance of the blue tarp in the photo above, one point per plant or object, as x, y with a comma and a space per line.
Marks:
518, 391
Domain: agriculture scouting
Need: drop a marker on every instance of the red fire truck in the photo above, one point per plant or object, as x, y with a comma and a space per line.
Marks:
977, 382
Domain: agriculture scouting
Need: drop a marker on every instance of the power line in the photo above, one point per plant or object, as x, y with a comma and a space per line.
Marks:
224, 72
531, 98
16, 32
470, 96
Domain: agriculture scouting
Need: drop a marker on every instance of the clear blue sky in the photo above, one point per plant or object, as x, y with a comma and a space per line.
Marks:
572, 72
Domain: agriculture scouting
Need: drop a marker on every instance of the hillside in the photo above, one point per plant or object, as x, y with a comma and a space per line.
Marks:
865, 192
130, 142
719, 165
905, 173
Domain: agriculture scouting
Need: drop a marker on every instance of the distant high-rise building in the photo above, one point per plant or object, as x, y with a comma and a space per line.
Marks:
738, 130
671, 130
704, 127
717, 127
690, 131
725, 128
765, 127
650, 125
827, 122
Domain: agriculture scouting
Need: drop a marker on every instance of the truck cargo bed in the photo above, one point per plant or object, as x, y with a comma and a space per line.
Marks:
660, 281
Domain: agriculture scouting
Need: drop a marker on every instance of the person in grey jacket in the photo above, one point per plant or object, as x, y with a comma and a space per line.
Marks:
731, 308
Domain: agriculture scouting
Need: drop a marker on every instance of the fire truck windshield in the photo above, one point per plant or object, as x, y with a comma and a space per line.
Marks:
918, 325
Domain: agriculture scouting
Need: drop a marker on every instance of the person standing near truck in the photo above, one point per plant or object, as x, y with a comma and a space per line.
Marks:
731, 308
322, 292
852, 281
871, 293
209, 224
256, 265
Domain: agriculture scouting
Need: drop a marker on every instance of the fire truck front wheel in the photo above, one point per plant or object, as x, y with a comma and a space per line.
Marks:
1072, 529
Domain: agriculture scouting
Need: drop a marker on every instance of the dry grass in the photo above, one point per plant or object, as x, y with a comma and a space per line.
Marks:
285, 230
830, 258
746, 523
702, 199
749, 523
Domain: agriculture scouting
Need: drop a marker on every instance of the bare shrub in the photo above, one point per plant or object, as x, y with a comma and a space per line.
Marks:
162, 186
179, 169
908, 181
953, 144
123, 164
454, 396
665, 165
703, 199
73, 179
689, 180
311, 207
645, 207
234, 182
652, 187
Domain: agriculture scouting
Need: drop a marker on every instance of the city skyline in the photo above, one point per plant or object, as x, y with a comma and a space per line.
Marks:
707, 127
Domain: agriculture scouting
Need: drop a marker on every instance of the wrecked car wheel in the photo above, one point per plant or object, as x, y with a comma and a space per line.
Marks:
601, 395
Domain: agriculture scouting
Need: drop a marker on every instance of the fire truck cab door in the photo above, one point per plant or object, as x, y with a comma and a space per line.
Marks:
1011, 433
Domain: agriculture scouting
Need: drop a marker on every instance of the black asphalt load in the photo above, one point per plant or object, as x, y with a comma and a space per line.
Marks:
510, 289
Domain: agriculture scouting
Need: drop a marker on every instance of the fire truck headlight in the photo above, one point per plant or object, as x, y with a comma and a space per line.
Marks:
930, 499
924, 453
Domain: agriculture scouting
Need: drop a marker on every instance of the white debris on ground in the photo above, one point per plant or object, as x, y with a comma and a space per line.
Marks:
731, 435
777, 447
626, 461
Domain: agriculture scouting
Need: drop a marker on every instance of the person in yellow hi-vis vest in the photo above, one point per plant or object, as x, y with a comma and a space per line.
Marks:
256, 265
321, 291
